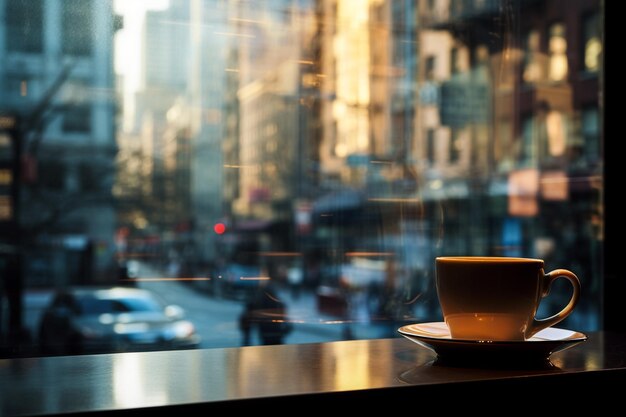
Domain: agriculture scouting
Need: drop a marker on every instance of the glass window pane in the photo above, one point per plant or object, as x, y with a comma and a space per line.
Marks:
77, 27
592, 42
77, 118
557, 47
24, 25
286, 171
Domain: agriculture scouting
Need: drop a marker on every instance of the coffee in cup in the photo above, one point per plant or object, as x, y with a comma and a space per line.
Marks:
496, 298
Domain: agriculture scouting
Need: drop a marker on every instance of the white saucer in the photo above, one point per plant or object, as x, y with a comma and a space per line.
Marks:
436, 337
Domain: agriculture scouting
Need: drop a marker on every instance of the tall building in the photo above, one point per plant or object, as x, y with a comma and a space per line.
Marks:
230, 144
367, 200
56, 73
368, 96
277, 85
509, 146
403, 72
165, 48
207, 88
154, 174
354, 114
180, 124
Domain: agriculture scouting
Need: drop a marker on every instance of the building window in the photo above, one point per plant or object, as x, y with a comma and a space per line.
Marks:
77, 27
592, 43
430, 68
454, 61
77, 118
455, 145
527, 149
555, 133
6, 147
17, 88
481, 55
88, 177
557, 48
24, 25
533, 68
431, 153
591, 133
52, 174
502, 152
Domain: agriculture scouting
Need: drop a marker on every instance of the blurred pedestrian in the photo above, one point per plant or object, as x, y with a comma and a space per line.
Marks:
266, 313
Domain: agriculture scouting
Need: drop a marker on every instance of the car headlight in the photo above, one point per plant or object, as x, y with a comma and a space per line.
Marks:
182, 329
106, 318
127, 328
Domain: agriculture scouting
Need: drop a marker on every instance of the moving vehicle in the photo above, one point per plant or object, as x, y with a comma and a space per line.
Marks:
117, 319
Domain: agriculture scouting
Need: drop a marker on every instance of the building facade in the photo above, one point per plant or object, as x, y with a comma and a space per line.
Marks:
508, 142
56, 71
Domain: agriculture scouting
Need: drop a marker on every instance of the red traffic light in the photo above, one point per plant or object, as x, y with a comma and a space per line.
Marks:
219, 228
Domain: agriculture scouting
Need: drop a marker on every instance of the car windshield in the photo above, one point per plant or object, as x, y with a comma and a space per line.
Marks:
95, 306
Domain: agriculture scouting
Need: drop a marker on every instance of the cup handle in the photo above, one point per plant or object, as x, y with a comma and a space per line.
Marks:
548, 279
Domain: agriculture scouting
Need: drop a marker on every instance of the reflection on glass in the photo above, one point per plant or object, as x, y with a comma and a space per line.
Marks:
335, 148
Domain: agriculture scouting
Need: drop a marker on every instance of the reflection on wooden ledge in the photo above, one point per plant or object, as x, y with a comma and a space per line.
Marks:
200, 378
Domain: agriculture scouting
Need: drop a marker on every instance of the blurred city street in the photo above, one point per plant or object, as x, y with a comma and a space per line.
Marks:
217, 319
330, 149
